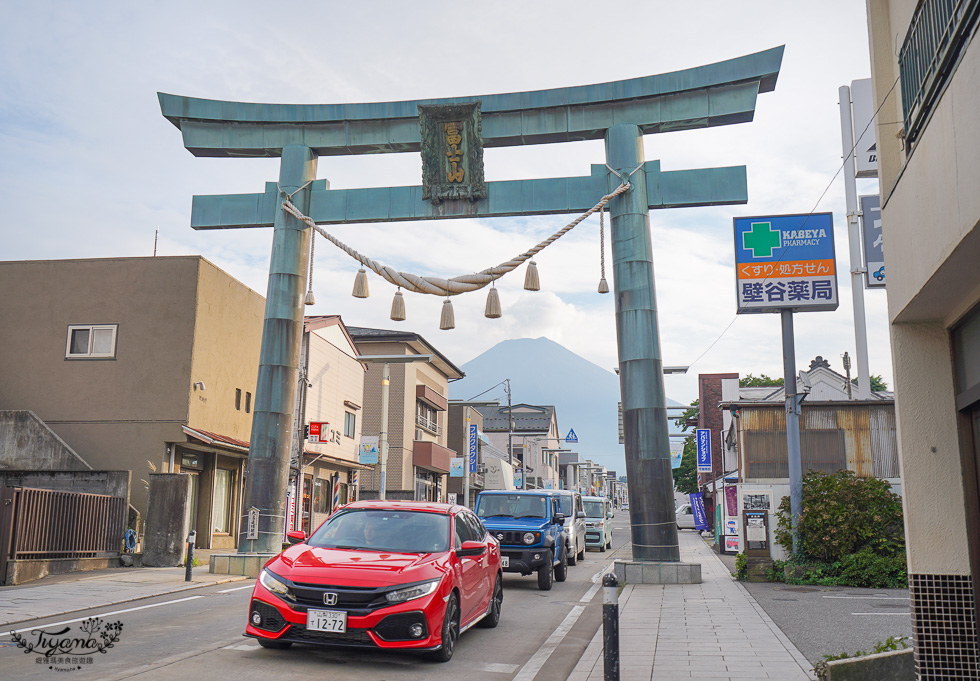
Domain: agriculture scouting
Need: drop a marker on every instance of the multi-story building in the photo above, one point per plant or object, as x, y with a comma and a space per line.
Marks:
140, 364
418, 398
925, 61
530, 433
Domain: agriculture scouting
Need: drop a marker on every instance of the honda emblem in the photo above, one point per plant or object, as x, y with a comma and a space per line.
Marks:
330, 598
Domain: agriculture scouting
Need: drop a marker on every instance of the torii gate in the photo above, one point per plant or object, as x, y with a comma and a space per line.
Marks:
620, 112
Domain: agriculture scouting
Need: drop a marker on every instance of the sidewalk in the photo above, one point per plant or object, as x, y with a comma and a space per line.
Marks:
712, 630
61, 594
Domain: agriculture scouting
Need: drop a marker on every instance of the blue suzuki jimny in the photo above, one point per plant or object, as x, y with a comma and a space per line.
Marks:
528, 526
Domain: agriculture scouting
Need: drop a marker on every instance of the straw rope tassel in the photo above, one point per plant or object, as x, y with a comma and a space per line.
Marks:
398, 307
531, 281
310, 299
447, 321
360, 284
603, 286
493, 304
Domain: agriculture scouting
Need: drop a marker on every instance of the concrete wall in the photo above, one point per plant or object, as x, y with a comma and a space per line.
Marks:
110, 483
167, 520
26, 442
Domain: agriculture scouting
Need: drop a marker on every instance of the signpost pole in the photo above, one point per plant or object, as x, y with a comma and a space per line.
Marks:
854, 244
385, 384
792, 421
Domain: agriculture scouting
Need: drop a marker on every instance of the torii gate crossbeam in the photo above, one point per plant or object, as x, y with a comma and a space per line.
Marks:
620, 113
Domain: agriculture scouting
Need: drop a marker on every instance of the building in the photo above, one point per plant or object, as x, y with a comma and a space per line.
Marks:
530, 433
418, 399
925, 61
139, 364
330, 393
493, 471
837, 432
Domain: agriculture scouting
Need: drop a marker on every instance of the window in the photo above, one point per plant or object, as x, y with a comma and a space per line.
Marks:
248, 403
321, 495
426, 417
238, 399
221, 511
349, 424
91, 341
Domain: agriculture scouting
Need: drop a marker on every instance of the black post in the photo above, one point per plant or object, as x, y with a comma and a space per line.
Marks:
189, 563
610, 627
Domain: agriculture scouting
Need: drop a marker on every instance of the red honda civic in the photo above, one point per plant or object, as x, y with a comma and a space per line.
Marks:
381, 574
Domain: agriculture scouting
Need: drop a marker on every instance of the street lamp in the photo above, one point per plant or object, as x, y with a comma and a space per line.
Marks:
387, 360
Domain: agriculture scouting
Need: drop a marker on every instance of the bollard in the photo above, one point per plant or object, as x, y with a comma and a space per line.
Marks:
610, 627
189, 563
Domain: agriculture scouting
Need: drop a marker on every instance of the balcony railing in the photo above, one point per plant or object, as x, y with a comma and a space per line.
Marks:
939, 28
430, 425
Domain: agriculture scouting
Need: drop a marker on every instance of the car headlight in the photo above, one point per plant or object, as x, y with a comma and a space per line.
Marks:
269, 580
530, 537
412, 592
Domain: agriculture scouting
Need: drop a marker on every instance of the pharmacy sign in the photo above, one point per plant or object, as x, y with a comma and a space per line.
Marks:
785, 262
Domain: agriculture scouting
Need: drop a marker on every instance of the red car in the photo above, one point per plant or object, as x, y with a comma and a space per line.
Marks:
381, 574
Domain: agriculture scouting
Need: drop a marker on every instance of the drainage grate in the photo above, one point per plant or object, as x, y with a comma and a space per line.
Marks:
944, 621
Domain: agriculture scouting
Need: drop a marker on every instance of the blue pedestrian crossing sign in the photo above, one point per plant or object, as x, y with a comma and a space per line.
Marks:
571, 437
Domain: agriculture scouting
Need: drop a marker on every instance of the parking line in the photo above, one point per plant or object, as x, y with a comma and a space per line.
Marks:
108, 614
533, 666
869, 598
237, 588
894, 614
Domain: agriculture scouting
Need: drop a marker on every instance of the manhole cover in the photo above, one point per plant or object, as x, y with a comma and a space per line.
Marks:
799, 589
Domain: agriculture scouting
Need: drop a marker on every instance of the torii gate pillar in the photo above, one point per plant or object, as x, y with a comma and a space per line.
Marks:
654, 527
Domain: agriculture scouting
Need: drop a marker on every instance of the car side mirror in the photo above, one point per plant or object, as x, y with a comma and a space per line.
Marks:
580, 514
559, 518
296, 536
471, 548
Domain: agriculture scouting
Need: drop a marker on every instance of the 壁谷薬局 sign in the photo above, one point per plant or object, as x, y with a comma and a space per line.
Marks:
785, 262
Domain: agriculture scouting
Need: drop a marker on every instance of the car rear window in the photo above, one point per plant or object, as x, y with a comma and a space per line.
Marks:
394, 531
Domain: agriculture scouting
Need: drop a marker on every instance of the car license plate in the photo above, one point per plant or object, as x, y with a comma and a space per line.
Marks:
334, 621
505, 561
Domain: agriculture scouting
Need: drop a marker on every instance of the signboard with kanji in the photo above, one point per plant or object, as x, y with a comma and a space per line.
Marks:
874, 252
785, 262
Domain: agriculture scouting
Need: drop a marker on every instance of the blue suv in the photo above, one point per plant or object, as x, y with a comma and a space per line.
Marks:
528, 526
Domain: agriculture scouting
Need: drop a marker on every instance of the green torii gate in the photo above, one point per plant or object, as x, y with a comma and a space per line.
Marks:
620, 112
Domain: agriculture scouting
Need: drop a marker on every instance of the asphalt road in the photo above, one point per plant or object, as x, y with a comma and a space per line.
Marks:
198, 634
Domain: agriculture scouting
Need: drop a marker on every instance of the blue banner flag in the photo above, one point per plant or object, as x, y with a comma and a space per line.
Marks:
472, 448
704, 450
697, 508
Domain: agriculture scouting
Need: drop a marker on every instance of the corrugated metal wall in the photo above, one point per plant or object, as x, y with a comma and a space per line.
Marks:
861, 438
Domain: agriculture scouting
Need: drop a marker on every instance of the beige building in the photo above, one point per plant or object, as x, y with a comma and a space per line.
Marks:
926, 77
418, 399
141, 364
331, 392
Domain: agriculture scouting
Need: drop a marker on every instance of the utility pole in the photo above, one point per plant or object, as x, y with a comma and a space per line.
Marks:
510, 433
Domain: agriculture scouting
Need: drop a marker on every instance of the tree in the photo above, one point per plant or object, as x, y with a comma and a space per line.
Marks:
686, 475
760, 381
691, 413
877, 382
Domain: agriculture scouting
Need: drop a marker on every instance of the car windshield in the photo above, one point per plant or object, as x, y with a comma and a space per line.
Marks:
565, 504
389, 530
594, 509
512, 506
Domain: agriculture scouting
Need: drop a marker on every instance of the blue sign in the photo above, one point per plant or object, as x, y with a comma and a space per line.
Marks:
571, 437
704, 450
456, 467
785, 262
697, 508
675, 459
472, 447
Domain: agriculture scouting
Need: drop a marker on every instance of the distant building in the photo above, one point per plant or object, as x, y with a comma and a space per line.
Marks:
418, 399
531, 431
925, 57
836, 433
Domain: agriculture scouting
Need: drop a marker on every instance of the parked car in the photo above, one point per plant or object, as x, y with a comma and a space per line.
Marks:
685, 517
528, 526
625, 506
381, 575
573, 510
598, 528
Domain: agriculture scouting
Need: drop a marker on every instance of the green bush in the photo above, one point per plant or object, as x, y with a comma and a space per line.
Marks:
741, 567
842, 514
867, 569
775, 572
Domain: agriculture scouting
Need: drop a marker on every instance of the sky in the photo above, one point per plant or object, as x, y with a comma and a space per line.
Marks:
89, 168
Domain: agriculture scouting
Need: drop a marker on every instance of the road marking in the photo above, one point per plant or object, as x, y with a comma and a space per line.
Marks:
499, 667
237, 588
880, 598
108, 614
533, 666
243, 646
894, 614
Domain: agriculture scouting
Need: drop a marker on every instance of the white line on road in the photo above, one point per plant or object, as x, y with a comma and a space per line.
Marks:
237, 588
108, 614
533, 666
903, 614
878, 598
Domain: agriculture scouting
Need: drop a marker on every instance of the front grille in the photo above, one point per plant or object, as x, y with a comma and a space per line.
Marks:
353, 637
348, 597
395, 627
272, 620
591, 536
509, 536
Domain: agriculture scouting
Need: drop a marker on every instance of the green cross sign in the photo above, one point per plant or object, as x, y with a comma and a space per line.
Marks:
762, 239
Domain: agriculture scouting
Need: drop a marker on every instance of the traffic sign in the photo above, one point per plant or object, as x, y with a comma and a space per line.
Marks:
571, 437
785, 262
